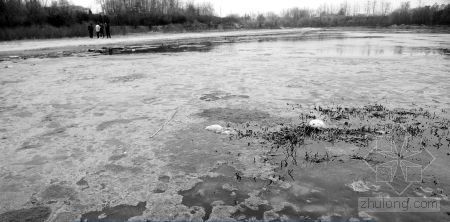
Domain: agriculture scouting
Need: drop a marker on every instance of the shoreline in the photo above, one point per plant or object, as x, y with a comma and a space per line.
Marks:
34, 47
69, 46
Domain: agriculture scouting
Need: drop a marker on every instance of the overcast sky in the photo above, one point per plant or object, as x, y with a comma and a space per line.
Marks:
225, 7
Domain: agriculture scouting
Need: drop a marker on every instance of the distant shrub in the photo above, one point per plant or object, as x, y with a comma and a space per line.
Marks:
43, 31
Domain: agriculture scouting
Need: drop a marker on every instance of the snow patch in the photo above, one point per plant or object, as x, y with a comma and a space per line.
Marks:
220, 130
317, 123
362, 186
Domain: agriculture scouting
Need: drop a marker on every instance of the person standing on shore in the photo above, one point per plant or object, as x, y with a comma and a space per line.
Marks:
91, 31
108, 30
97, 30
102, 30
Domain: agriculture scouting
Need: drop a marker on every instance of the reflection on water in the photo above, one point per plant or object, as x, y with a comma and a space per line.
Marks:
378, 50
378, 45
354, 44
317, 43
398, 68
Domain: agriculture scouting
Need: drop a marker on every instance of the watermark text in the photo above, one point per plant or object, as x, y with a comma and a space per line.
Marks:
398, 204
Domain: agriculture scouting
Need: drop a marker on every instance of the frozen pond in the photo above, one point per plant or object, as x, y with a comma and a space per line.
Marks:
123, 135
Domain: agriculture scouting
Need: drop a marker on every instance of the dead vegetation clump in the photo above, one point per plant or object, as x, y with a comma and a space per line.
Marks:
358, 126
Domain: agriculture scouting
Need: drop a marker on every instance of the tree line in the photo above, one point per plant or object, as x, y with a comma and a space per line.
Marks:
59, 18
372, 13
14, 13
156, 12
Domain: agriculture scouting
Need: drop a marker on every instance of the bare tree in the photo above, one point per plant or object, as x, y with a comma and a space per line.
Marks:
367, 7
374, 7
385, 7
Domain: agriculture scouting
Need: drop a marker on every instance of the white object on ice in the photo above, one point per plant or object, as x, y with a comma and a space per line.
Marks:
362, 186
227, 132
219, 129
316, 123
215, 128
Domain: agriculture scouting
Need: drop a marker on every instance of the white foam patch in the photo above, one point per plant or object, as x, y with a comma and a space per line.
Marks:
220, 130
317, 123
363, 186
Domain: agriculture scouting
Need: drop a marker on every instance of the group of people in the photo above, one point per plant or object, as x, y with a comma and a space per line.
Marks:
100, 29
